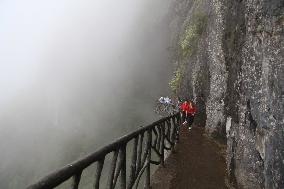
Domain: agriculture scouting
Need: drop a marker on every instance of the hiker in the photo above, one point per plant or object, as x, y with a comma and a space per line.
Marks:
183, 108
191, 113
162, 100
161, 106
168, 101
188, 111
165, 105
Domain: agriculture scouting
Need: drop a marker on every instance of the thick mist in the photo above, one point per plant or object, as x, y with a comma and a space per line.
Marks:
74, 75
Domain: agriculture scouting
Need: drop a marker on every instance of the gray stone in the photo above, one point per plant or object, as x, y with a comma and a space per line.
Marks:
236, 78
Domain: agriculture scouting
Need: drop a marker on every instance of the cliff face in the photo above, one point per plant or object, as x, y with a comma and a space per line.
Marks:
229, 59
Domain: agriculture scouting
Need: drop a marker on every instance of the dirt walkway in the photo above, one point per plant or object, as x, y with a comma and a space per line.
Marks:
197, 164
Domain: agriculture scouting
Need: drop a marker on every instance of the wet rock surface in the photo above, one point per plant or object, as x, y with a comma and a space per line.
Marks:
236, 78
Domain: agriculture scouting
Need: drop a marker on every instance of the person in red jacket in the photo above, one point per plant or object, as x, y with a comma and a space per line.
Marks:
191, 113
184, 110
188, 112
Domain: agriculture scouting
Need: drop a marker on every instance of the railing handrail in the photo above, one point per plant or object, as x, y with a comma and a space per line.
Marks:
66, 172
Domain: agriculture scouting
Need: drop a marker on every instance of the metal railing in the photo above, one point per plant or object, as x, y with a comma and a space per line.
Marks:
155, 138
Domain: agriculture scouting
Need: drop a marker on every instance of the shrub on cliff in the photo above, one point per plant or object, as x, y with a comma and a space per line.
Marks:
177, 78
189, 40
187, 46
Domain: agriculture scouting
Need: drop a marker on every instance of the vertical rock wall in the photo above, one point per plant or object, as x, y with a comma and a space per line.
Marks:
236, 77
218, 73
256, 137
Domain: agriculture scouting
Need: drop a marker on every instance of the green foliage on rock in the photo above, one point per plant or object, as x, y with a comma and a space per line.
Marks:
189, 40
187, 47
176, 80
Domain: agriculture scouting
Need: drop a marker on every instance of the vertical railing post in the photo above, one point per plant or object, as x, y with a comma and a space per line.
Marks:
148, 169
162, 143
177, 124
133, 167
139, 154
98, 173
110, 183
171, 134
76, 180
123, 167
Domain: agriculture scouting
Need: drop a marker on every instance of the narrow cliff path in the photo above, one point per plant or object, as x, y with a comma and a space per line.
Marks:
196, 164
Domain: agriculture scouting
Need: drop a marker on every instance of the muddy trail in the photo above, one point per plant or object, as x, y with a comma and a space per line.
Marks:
197, 163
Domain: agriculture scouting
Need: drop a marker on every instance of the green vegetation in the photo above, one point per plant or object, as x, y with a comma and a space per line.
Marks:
176, 80
189, 40
187, 47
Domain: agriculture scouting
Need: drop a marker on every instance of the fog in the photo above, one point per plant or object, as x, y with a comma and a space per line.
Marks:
75, 75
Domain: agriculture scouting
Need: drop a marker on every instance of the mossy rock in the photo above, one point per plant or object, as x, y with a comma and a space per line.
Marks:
189, 40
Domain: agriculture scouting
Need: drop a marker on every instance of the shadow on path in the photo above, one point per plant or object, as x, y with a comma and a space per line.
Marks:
196, 164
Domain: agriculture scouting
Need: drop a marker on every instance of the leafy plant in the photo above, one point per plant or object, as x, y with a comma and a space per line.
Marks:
176, 80
189, 40
188, 45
